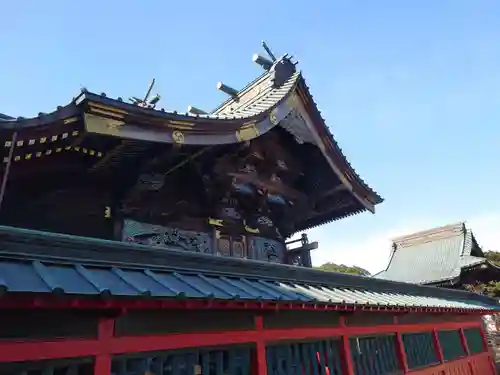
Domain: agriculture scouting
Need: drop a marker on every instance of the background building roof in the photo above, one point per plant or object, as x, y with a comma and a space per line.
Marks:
433, 256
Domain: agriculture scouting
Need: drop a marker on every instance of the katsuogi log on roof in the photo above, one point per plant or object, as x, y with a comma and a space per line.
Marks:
267, 140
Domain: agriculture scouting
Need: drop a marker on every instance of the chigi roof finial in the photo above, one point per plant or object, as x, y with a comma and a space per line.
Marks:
268, 51
145, 102
265, 62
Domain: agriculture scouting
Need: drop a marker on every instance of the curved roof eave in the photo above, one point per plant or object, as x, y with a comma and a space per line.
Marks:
242, 124
336, 151
258, 117
326, 219
43, 119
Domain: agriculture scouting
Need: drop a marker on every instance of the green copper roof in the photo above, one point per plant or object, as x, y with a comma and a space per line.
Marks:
47, 263
433, 256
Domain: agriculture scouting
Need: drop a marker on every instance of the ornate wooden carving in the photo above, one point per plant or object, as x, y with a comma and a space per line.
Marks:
223, 244
158, 236
267, 250
239, 247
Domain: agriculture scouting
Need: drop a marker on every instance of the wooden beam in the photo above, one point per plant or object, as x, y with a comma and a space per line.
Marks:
149, 165
187, 160
10, 301
271, 186
106, 327
437, 345
345, 350
104, 345
260, 352
110, 156
329, 209
400, 350
331, 191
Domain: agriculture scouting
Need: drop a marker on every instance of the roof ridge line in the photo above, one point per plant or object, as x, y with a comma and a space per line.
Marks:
433, 234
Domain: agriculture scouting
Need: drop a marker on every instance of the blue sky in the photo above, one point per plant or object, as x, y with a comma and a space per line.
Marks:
410, 89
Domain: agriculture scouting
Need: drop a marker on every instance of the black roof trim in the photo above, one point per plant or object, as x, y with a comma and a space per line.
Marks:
42, 119
4, 117
341, 159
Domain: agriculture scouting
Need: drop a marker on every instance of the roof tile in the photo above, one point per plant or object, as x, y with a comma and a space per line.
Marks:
121, 282
431, 256
48, 263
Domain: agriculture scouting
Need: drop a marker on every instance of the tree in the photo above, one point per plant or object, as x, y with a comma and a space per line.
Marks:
493, 257
342, 268
492, 288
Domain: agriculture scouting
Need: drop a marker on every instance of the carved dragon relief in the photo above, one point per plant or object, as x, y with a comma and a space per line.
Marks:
158, 236
267, 250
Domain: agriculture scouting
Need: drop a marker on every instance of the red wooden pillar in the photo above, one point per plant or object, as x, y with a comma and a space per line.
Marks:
105, 333
400, 350
346, 355
260, 362
437, 346
463, 340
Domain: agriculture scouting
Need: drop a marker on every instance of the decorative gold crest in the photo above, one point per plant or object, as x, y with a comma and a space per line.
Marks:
178, 137
101, 125
247, 132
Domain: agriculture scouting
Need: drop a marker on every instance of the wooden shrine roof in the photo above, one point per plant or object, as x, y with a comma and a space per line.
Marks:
247, 114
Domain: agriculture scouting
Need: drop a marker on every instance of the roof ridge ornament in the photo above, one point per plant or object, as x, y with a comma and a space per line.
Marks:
233, 93
268, 51
196, 111
281, 70
145, 103
265, 63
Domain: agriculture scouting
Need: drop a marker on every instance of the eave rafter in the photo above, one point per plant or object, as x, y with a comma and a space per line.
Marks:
329, 192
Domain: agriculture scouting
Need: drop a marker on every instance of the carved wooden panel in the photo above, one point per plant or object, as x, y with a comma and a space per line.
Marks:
239, 247
267, 250
223, 245
159, 236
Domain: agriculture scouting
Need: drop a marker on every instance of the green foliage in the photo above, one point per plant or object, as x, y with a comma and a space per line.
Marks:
493, 257
491, 288
342, 268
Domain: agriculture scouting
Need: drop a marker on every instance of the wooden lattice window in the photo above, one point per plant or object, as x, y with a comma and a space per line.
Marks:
474, 340
420, 350
196, 361
318, 358
451, 345
374, 355
76, 366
